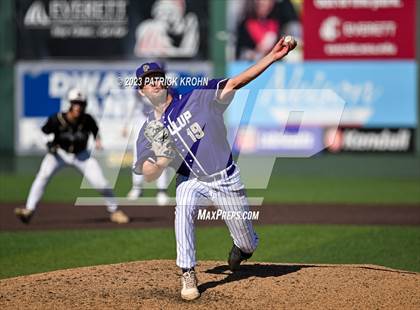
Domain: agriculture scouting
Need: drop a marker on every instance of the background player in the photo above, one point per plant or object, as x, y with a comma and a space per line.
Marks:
135, 119
189, 134
69, 148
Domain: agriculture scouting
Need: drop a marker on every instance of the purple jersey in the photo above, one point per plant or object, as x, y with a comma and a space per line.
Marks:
196, 125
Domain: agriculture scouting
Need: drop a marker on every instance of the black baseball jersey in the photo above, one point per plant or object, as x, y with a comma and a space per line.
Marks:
71, 137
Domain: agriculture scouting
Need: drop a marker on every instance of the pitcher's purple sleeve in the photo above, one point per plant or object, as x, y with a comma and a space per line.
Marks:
209, 93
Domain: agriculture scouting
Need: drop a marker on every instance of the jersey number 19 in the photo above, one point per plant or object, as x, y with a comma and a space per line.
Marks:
195, 132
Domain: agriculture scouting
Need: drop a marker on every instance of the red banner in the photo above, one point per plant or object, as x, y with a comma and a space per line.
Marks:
359, 29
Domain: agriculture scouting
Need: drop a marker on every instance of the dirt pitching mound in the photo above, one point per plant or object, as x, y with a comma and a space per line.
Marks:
156, 284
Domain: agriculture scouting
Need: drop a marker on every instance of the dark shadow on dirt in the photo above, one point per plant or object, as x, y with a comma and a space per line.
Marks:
247, 271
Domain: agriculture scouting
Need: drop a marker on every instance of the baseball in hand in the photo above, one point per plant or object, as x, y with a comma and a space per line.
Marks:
289, 40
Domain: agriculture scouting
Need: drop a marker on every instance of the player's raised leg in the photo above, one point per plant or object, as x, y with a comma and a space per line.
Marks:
91, 170
50, 165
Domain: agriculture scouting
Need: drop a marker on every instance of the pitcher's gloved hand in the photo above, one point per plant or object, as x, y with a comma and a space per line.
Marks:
160, 139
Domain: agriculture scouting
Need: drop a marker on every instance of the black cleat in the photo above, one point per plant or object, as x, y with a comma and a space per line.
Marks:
236, 256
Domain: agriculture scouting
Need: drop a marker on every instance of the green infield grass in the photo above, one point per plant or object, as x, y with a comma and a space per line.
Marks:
33, 252
65, 187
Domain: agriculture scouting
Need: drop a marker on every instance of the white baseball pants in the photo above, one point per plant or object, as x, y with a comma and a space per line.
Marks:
226, 194
86, 165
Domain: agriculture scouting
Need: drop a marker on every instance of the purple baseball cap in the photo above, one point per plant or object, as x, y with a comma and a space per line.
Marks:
149, 68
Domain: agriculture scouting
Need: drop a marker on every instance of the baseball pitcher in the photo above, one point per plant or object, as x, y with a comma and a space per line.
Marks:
189, 134
71, 132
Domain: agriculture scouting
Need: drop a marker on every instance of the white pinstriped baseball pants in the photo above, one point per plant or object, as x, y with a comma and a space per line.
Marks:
85, 164
226, 194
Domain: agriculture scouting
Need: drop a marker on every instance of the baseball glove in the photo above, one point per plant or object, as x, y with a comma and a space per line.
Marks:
160, 139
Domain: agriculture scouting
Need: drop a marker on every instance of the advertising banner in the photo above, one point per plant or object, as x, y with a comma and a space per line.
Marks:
42, 87
374, 93
360, 140
274, 141
95, 29
349, 29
